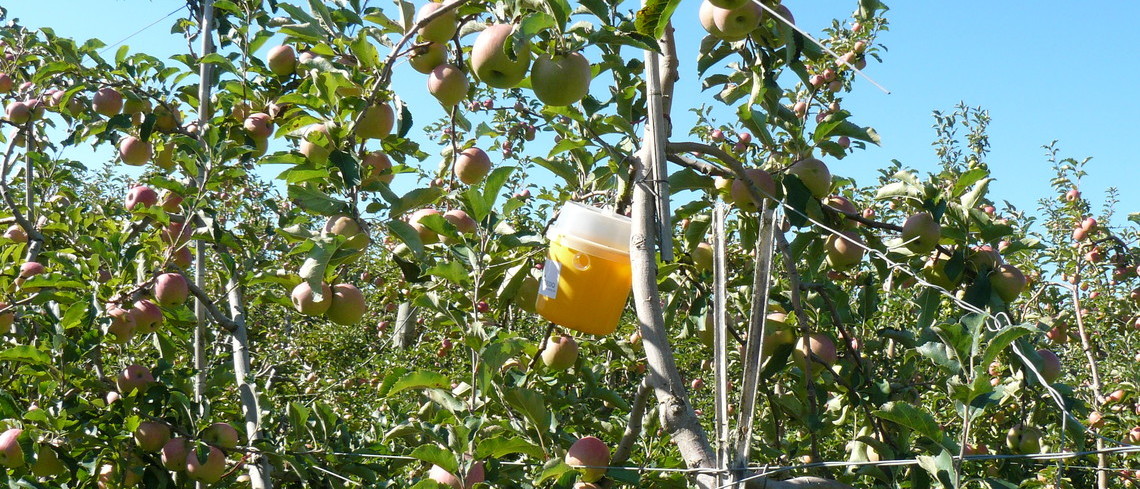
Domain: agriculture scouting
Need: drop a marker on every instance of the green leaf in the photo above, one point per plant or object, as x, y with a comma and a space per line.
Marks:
348, 166
313, 269
532, 405
452, 271
941, 468
501, 446
970, 199
493, 185
1002, 340
415, 199
316, 201
419, 379
25, 353
904, 414
654, 17
436, 456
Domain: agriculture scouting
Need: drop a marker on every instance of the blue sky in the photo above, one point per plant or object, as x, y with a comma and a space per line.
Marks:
1045, 70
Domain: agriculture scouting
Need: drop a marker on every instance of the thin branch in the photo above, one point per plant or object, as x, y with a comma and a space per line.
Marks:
224, 321
633, 427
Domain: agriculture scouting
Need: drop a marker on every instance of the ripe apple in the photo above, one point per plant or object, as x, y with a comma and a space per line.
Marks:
174, 454
921, 232
134, 378
703, 257
814, 175
427, 236
984, 258
1134, 435
182, 257
442, 476
151, 436
442, 28
122, 326
282, 60
377, 122
1024, 439
134, 151
5, 83
560, 353
171, 202
107, 101
221, 434
1008, 282
171, 289
1096, 420
18, 113
448, 84
728, 4
489, 58
304, 302
343, 225
763, 182
147, 316
141, 195
705, 16
11, 454
210, 470
561, 79
589, 452
843, 252
844, 205
347, 306
472, 166
461, 220
16, 233
1050, 366
1116, 396
735, 24
426, 57
1072, 195
47, 462
380, 168
822, 351
258, 125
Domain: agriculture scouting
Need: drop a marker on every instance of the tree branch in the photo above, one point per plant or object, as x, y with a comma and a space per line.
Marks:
633, 428
224, 321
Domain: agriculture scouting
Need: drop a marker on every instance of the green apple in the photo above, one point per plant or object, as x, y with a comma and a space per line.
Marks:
1008, 282
843, 252
377, 122
489, 59
122, 326
735, 24
1024, 439
343, 225
379, 168
426, 57
743, 197
348, 305
11, 454
221, 434
561, 79
814, 175
560, 353
151, 436
921, 232
282, 60
442, 28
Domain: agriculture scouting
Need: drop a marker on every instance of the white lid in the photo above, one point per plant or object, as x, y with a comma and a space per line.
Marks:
587, 223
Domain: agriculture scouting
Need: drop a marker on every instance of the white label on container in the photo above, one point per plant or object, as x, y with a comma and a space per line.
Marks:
550, 272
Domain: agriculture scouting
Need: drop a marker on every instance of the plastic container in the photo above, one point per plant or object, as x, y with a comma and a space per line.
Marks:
587, 278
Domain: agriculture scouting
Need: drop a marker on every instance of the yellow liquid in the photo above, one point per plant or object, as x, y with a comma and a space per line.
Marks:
592, 290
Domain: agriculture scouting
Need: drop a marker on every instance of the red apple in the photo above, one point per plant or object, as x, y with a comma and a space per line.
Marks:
589, 452
377, 122
380, 168
171, 289
258, 125
151, 436
134, 378
427, 236
1050, 367
1008, 282
134, 151
843, 252
472, 166
174, 454
305, 303
740, 194
107, 101
11, 454
209, 470
448, 84
221, 435
141, 196
462, 222
822, 351
147, 316
122, 326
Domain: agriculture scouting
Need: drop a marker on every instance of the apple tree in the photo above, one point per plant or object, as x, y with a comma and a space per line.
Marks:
306, 281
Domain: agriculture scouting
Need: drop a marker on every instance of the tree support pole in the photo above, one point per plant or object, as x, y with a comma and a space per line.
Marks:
259, 469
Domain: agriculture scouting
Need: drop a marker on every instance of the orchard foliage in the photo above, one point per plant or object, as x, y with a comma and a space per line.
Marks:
365, 278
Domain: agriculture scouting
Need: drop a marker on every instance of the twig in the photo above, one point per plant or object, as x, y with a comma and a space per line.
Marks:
633, 428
